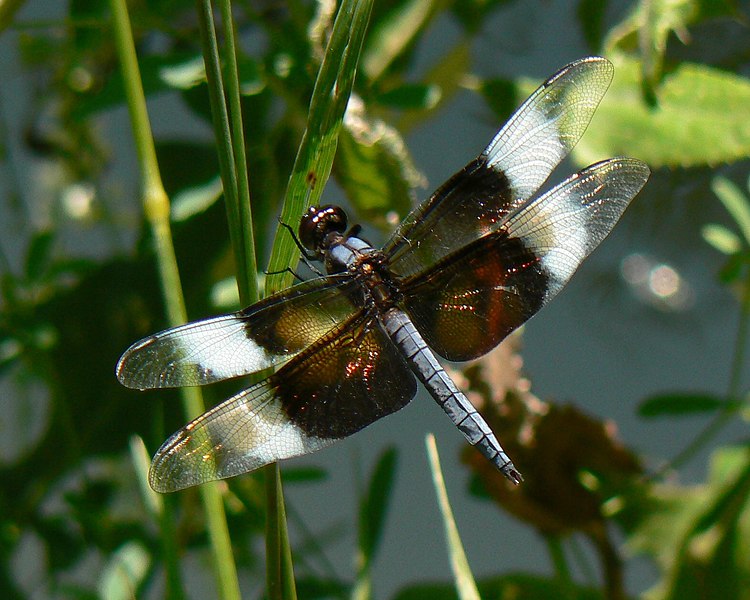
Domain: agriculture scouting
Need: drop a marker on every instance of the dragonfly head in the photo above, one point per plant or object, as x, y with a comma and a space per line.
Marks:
318, 223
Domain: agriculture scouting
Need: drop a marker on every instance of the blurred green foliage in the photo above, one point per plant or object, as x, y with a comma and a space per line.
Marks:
78, 283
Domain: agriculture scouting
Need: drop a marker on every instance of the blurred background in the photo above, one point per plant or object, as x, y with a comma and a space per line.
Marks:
632, 384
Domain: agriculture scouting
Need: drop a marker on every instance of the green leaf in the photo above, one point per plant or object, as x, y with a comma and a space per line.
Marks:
501, 96
7, 12
650, 25
731, 270
463, 578
125, 572
679, 404
251, 76
721, 238
318, 147
591, 15
696, 533
374, 167
416, 96
736, 203
39, 255
372, 511
474, 14
141, 461
191, 201
186, 165
394, 33
65, 546
304, 474
314, 588
374, 506
10, 351
225, 296
449, 74
701, 119
183, 75
159, 74
517, 585
713, 555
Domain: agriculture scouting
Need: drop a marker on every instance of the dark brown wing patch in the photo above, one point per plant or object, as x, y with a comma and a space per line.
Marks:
465, 306
346, 383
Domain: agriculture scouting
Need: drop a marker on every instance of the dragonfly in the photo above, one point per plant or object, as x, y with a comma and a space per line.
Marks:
473, 262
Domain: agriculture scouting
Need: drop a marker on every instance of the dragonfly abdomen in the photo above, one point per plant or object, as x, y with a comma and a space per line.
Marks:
456, 405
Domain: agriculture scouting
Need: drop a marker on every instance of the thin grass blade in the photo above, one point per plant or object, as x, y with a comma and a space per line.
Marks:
466, 587
314, 160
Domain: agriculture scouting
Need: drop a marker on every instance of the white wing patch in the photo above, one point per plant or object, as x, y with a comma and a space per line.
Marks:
193, 354
564, 225
244, 433
548, 125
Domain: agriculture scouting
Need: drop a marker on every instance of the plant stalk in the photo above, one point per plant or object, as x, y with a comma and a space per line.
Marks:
156, 209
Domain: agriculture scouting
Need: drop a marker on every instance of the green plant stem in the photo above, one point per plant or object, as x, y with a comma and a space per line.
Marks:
731, 406
245, 255
362, 589
698, 442
173, 588
611, 563
363, 584
156, 210
312, 553
581, 560
279, 568
233, 162
223, 136
463, 579
740, 344
559, 562
161, 508
8, 10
